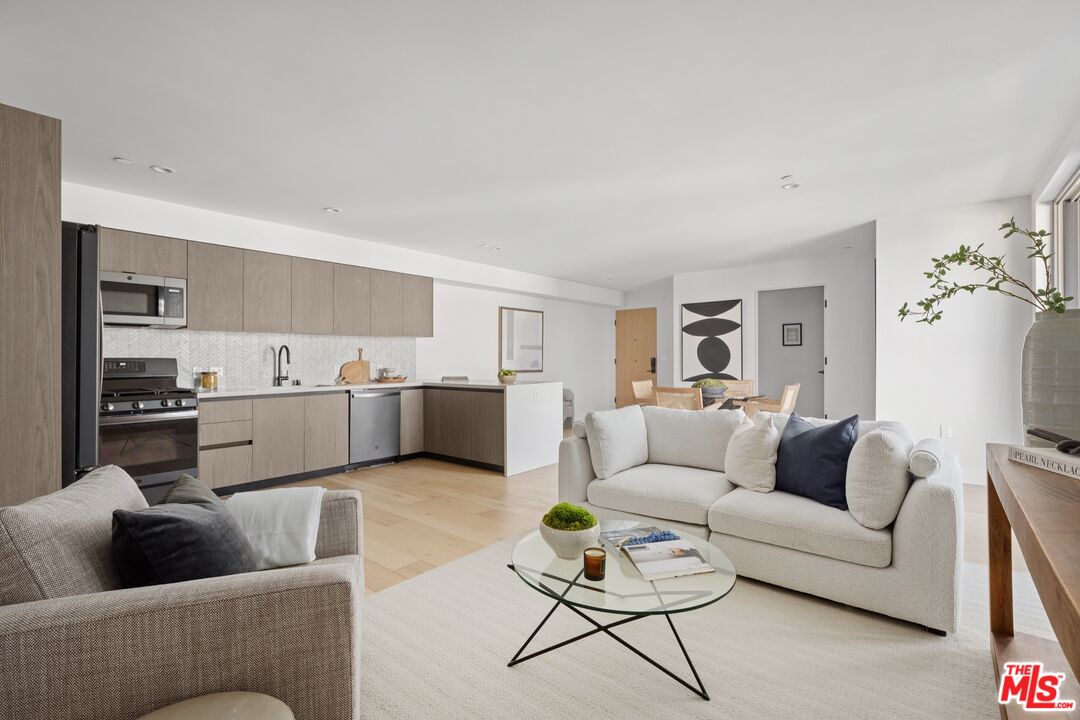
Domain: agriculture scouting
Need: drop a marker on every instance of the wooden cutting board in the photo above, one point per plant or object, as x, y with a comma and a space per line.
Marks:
355, 371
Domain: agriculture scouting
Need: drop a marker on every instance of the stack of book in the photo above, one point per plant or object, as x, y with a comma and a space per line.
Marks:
1047, 459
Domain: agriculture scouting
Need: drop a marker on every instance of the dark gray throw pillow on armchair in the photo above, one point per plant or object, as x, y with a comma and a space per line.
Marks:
189, 536
812, 461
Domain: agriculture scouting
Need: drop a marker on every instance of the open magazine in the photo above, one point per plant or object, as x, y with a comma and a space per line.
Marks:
658, 560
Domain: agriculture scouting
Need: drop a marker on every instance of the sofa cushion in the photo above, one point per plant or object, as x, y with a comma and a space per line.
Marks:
812, 461
579, 429
864, 426
690, 438
751, 456
799, 523
669, 492
877, 478
927, 458
617, 440
61, 544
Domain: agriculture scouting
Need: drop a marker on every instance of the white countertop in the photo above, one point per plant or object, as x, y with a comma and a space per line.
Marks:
231, 392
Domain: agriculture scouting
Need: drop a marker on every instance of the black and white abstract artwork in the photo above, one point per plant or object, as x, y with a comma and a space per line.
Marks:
712, 340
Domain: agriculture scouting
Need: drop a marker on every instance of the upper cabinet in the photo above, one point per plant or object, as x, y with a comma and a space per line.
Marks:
352, 300
215, 293
312, 297
386, 303
417, 306
141, 254
267, 292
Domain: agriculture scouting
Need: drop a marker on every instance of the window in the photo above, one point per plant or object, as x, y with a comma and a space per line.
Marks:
1067, 238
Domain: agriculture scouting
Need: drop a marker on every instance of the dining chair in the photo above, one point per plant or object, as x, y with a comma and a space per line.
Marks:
679, 398
738, 388
643, 391
785, 404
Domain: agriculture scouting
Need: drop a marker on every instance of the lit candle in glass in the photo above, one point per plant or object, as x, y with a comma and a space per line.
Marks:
595, 559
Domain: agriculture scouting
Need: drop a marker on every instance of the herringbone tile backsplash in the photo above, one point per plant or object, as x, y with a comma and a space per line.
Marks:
248, 358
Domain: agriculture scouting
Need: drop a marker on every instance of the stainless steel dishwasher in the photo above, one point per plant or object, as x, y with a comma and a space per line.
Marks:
374, 425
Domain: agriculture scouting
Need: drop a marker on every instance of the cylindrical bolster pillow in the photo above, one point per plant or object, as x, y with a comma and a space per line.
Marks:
579, 429
926, 458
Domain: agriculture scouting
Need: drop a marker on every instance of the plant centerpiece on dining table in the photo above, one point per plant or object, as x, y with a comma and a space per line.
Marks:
569, 529
711, 388
1050, 365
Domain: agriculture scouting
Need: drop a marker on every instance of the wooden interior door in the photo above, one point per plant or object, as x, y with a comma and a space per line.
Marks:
635, 351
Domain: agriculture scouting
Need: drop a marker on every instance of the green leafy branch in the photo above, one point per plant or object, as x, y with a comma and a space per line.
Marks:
999, 280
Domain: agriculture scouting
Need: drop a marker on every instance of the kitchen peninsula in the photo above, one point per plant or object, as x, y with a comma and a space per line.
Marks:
272, 434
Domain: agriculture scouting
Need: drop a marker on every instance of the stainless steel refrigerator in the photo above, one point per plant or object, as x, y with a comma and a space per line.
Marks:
81, 350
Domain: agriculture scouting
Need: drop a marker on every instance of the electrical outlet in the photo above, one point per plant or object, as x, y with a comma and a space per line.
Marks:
946, 432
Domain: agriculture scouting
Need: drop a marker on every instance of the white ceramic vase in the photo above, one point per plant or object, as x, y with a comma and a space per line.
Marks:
570, 544
1050, 375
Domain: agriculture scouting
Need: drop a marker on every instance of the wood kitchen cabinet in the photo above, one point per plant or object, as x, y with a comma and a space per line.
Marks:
412, 421
326, 430
312, 297
417, 306
132, 252
386, 303
352, 300
30, 279
267, 292
215, 291
278, 435
465, 424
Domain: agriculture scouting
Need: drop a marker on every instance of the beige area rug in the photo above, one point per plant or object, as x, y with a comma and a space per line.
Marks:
436, 646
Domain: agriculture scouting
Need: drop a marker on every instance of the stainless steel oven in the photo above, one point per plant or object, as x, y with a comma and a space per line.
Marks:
154, 448
143, 300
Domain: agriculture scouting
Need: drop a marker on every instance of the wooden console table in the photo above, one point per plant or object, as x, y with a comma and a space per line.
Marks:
1043, 510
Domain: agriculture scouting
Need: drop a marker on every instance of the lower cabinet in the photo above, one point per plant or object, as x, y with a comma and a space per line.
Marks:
412, 421
222, 467
326, 430
277, 436
465, 424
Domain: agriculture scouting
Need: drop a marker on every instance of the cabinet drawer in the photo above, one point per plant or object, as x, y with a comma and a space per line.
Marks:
225, 433
225, 466
220, 411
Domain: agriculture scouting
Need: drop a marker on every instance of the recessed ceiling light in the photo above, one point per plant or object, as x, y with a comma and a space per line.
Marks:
121, 161
787, 182
163, 169
332, 210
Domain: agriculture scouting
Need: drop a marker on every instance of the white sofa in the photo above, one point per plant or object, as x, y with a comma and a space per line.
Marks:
672, 475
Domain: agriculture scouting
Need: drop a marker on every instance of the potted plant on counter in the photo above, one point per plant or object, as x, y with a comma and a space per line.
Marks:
507, 377
569, 529
1050, 364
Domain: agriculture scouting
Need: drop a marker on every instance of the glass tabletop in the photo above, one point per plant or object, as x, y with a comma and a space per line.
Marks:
622, 590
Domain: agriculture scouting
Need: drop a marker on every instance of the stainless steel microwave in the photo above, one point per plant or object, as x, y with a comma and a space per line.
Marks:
134, 300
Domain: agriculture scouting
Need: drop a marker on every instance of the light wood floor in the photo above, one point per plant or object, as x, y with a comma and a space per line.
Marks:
424, 513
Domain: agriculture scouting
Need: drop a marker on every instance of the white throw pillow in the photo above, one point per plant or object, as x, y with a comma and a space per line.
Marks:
877, 477
579, 429
282, 524
751, 454
690, 438
926, 458
617, 440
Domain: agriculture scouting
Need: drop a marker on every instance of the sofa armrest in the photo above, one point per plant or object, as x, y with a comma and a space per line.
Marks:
928, 541
341, 525
292, 633
575, 470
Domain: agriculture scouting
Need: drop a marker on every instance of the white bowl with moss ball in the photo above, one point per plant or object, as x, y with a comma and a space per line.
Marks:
569, 529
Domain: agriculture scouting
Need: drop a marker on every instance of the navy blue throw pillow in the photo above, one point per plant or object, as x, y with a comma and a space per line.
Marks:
812, 461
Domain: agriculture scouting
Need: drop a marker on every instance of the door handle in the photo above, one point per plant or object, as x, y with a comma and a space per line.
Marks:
820, 372
652, 365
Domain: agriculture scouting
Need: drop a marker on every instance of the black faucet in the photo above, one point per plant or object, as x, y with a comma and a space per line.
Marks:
279, 378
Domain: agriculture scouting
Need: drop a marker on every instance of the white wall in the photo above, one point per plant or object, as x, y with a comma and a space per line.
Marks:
963, 371
848, 277
658, 295
579, 342
80, 203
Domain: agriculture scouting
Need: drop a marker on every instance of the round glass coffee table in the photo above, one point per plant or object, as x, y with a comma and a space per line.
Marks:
623, 591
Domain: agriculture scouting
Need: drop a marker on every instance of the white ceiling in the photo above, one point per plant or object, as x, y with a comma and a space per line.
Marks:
610, 142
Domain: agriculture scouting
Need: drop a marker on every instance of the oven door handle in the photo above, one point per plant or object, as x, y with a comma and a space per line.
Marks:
147, 418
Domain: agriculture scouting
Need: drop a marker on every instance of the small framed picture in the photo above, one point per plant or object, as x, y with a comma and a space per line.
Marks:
792, 334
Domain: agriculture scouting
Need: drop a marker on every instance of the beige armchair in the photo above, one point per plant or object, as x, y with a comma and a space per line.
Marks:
75, 645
